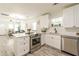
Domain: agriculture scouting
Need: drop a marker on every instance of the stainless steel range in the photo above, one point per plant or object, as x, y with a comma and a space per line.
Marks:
35, 42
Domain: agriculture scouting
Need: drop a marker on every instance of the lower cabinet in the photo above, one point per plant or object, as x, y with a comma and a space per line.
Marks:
3, 45
53, 41
14, 46
21, 46
43, 36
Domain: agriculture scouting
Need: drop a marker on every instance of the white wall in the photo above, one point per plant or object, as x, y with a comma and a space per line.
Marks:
4, 20
29, 22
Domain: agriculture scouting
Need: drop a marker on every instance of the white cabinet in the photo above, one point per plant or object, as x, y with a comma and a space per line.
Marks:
76, 10
21, 45
71, 16
43, 36
68, 17
3, 45
44, 21
48, 40
17, 46
53, 41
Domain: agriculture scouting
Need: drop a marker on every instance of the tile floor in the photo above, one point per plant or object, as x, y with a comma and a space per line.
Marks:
48, 51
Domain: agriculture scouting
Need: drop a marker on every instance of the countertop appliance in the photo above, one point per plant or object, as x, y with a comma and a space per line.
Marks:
35, 42
70, 44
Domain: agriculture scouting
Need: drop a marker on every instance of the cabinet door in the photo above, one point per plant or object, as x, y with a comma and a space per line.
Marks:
50, 40
57, 41
3, 45
44, 21
53, 41
68, 17
43, 36
76, 9
21, 45
18, 46
26, 44
47, 39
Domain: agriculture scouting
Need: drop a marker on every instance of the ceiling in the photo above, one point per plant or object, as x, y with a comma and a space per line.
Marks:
31, 9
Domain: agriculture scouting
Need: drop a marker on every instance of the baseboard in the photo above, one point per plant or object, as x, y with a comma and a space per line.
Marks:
68, 53
43, 45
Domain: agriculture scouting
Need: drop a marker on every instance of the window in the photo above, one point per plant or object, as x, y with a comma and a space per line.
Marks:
23, 25
17, 26
34, 26
57, 21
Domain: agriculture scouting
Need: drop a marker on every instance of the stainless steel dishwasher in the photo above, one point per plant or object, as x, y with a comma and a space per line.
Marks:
70, 44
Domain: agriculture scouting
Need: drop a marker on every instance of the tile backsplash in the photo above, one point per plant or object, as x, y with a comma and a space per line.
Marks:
63, 31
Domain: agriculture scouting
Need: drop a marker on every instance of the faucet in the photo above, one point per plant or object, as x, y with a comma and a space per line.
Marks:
55, 30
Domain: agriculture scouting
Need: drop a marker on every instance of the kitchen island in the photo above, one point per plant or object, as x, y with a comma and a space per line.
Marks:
20, 44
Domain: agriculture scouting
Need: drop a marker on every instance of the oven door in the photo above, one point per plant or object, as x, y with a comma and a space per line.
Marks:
35, 42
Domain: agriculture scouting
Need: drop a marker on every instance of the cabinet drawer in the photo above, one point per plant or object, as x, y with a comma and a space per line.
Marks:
19, 51
22, 50
54, 41
22, 43
21, 46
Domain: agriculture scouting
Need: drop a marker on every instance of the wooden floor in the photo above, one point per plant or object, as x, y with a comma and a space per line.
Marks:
48, 51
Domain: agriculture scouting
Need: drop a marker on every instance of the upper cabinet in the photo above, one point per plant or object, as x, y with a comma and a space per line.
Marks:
76, 9
44, 21
71, 17
68, 17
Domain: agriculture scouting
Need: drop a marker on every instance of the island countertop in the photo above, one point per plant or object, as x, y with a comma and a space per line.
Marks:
71, 36
20, 35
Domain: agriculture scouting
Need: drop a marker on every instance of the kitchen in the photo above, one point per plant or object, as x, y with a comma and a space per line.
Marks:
39, 29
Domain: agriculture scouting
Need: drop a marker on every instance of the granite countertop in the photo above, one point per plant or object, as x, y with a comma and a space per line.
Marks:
20, 35
71, 36
53, 33
64, 35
